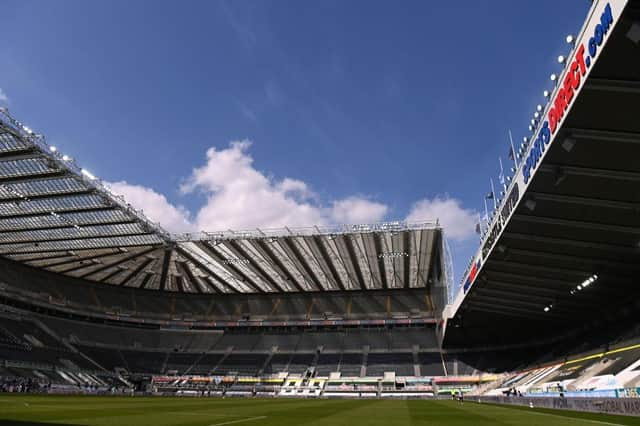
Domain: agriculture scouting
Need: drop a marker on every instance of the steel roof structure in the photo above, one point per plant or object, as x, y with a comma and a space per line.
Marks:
563, 248
58, 217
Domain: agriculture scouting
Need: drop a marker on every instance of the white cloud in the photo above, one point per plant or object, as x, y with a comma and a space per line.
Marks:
241, 197
3, 96
155, 206
238, 196
358, 210
458, 223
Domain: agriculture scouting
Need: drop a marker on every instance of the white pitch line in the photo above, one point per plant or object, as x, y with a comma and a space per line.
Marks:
248, 419
578, 419
505, 407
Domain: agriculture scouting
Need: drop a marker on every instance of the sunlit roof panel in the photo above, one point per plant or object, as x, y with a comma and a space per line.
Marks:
9, 143
26, 167
82, 244
251, 248
66, 203
41, 187
73, 232
67, 219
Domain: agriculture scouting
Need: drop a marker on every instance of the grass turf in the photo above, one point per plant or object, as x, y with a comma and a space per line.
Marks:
21, 410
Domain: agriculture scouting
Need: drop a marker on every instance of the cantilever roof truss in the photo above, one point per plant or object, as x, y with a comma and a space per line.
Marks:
58, 217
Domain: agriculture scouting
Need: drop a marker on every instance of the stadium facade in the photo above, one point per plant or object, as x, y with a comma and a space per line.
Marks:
92, 293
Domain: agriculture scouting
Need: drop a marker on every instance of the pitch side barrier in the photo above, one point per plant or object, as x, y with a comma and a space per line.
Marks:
602, 18
624, 406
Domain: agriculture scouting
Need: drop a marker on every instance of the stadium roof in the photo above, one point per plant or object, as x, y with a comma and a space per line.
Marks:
56, 216
564, 244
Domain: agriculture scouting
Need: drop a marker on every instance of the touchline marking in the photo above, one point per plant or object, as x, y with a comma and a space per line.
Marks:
577, 419
248, 419
504, 407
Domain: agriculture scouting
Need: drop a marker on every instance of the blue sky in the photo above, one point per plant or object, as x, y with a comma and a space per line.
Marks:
238, 114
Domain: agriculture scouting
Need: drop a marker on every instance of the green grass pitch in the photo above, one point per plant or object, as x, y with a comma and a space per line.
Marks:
21, 410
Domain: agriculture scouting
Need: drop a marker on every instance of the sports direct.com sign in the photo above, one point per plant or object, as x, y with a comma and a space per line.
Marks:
576, 71
600, 23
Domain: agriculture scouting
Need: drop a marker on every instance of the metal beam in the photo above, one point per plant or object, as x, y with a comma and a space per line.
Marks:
573, 258
307, 252
357, 247
612, 85
301, 260
536, 283
38, 249
54, 196
381, 266
533, 290
252, 265
118, 262
591, 172
24, 154
594, 226
165, 269
251, 249
424, 260
369, 250
327, 259
76, 238
66, 225
222, 284
507, 296
75, 267
523, 304
36, 176
19, 257
73, 260
301, 268
591, 245
584, 274
512, 311
184, 253
146, 280
388, 260
111, 274
59, 211
407, 260
184, 266
18, 152
229, 268
268, 251
179, 283
348, 243
584, 201
133, 273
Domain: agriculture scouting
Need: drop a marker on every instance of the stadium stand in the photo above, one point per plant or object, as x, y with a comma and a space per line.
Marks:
94, 294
